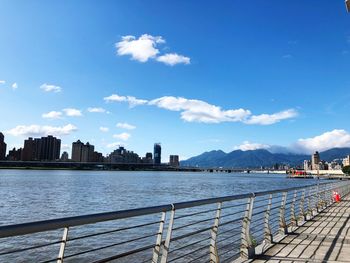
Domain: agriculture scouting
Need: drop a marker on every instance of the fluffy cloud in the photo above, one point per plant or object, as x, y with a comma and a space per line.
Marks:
192, 110
104, 129
71, 112
129, 99
52, 115
247, 146
199, 111
122, 136
37, 130
325, 141
172, 59
146, 47
2, 81
268, 119
140, 49
14, 86
50, 88
125, 126
97, 110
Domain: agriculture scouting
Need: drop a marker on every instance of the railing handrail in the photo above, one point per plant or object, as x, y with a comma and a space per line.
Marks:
53, 224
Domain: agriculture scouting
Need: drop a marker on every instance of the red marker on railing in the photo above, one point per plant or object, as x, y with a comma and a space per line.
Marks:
336, 196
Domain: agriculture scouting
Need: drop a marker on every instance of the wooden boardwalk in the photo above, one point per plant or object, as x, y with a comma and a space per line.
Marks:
325, 238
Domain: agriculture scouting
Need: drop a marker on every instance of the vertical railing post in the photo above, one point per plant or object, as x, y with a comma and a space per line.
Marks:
294, 220
267, 228
166, 246
63, 245
156, 250
282, 222
318, 204
301, 206
309, 208
214, 256
247, 249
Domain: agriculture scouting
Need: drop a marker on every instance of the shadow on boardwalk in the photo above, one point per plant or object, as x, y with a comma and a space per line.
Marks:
325, 238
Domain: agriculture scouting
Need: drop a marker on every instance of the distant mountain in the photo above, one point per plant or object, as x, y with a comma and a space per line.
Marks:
258, 158
334, 153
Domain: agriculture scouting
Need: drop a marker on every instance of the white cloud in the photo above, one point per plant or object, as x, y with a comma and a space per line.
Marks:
268, 119
199, 111
173, 59
146, 47
97, 110
50, 88
52, 115
287, 56
71, 112
2, 81
140, 49
129, 99
115, 145
125, 126
122, 136
192, 110
325, 141
104, 129
247, 146
37, 130
14, 86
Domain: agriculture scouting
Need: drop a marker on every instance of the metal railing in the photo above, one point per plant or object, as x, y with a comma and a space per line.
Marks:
215, 230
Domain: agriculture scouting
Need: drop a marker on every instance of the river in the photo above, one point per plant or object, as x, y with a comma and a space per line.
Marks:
31, 195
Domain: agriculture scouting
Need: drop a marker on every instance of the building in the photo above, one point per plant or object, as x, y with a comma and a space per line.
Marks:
31, 150
15, 155
50, 148
148, 158
121, 155
315, 161
157, 154
346, 161
174, 160
83, 152
307, 165
41, 149
98, 157
64, 157
2, 147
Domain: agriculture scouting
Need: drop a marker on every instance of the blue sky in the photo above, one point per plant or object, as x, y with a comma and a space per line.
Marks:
195, 77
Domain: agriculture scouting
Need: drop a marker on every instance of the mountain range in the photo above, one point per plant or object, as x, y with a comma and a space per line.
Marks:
258, 158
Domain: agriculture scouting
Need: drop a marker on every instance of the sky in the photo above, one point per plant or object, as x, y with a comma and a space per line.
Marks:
193, 76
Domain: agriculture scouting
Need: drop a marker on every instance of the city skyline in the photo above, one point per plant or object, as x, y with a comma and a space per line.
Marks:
115, 74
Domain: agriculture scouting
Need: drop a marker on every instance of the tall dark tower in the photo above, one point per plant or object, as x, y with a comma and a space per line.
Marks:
2, 147
157, 153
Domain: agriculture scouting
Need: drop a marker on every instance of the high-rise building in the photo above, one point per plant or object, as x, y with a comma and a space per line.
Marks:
346, 161
31, 150
50, 148
315, 161
174, 160
157, 153
2, 147
82, 152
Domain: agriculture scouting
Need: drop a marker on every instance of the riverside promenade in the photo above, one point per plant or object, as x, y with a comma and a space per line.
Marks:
325, 238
